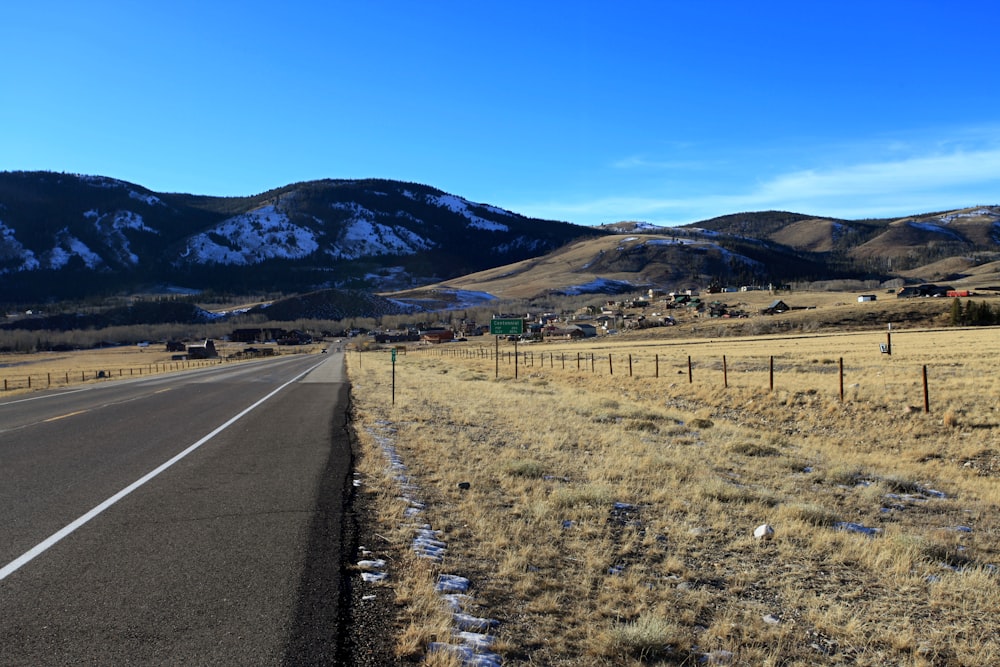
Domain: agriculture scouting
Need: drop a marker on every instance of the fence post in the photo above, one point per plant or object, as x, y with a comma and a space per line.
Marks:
690, 376
657, 360
927, 404
725, 373
630, 365
611, 366
841, 379
771, 374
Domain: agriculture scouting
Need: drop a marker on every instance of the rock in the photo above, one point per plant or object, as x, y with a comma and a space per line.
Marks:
763, 532
465, 486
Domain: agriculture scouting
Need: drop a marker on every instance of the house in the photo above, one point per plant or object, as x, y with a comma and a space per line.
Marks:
437, 336
175, 346
204, 350
866, 297
569, 332
922, 290
777, 307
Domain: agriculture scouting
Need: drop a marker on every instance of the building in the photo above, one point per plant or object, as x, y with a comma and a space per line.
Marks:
776, 308
437, 336
204, 350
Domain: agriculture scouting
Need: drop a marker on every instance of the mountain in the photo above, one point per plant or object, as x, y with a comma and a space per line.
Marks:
72, 236
752, 249
65, 236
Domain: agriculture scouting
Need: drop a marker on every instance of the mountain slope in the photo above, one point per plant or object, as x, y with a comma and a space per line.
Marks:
67, 235
751, 249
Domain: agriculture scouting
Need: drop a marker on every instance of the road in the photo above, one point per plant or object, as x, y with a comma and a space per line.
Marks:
188, 518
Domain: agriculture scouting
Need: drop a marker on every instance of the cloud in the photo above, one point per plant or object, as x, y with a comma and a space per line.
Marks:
914, 184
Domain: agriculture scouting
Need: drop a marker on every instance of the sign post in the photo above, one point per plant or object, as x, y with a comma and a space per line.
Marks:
506, 326
394, 376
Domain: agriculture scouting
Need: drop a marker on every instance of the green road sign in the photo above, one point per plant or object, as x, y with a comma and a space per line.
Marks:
393, 355
503, 326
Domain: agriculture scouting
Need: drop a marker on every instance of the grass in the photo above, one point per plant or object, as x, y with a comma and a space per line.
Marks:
20, 373
608, 519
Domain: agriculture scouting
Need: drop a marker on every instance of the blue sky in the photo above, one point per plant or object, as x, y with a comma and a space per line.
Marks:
590, 112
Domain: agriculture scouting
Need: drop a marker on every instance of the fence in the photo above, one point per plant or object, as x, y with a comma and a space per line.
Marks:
66, 378
759, 372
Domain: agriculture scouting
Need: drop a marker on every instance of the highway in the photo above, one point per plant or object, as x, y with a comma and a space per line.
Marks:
185, 518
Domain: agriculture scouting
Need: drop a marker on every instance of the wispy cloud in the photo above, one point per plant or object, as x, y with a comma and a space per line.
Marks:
913, 184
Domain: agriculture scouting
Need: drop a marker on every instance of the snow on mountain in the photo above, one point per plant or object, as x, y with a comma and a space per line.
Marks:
250, 238
105, 182
461, 206
111, 226
599, 286
363, 235
67, 246
14, 254
937, 229
978, 213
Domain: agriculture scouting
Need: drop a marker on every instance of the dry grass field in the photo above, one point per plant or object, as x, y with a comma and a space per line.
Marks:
20, 373
609, 513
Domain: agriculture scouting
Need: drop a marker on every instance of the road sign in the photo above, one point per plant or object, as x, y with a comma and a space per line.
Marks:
393, 355
506, 326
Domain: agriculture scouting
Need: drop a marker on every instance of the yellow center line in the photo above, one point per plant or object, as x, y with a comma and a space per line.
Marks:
70, 414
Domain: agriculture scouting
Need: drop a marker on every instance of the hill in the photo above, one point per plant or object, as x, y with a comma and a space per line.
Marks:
755, 249
78, 237
73, 236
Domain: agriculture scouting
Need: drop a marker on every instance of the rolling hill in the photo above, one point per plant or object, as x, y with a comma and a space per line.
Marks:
74, 236
65, 236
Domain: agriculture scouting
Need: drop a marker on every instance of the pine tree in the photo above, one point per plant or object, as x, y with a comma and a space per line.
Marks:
956, 312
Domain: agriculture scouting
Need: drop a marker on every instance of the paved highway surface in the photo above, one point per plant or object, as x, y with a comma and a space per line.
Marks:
189, 518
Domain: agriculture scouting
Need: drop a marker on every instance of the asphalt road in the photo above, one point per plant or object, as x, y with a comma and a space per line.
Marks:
192, 518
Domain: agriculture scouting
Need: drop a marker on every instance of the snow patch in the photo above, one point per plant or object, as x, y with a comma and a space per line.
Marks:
251, 238
12, 251
978, 213
670, 241
599, 286
461, 206
111, 226
937, 229
151, 200
363, 236
68, 246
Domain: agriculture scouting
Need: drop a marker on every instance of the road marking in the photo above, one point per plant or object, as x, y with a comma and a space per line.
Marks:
53, 539
68, 414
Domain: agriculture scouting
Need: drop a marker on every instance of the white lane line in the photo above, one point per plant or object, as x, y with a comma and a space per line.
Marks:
50, 541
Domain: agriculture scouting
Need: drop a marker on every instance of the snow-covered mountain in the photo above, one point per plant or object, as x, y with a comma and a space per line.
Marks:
69, 235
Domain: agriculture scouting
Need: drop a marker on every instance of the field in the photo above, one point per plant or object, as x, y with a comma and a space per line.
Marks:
20, 373
603, 504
